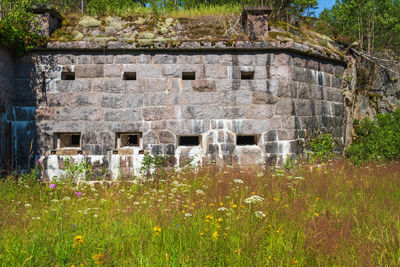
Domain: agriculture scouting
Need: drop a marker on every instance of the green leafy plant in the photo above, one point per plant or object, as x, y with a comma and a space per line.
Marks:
74, 170
321, 147
154, 166
16, 28
377, 139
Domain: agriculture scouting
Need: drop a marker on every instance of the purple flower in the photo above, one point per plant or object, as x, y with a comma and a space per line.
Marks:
52, 186
19, 202
123, 202
38, 161
78, 194
74, 225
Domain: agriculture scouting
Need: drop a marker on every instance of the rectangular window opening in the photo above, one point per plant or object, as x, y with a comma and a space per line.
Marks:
246, 140
128, 140
189, 140
68, 140
68, 75
247, 75
130, 76
188, 76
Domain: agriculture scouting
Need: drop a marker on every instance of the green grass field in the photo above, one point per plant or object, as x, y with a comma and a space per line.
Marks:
336, 215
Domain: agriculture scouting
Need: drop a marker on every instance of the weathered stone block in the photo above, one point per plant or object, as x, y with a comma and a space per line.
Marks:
109, 85
201, 112
164, 59
125, 59
122, 115
112, 71
152, 113
264, 98
271, 147
285, 107
89, 71
260, 112
82, 100
159, 99
302, 107
103, 59
149, 138
166, 137
216, 72
150, 71
74, 86
204, 86
84, 59
189, 59
113, 101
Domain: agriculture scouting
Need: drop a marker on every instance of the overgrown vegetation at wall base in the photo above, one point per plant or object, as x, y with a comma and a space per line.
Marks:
377, 139
330, 216
16, 28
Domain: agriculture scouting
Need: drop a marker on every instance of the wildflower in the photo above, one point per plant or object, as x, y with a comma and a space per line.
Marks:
52, 186
95, 215
19, 202
28, 205
211, 205
209, 218
221, 204
215, 235
199, 192
238, 181
219, 220
188, 214
225, 235
78, 194
253, 199
74, 226
54, 200
237, 252
35, 218
276, 199
66, 198
98, 259
222, 209
234, 206
136, 203
201, 233
259, 214
78, 240
157, 230
316, 214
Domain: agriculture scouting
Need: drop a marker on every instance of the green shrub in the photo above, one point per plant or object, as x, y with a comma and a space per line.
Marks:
377, 139
15, 28
321, 147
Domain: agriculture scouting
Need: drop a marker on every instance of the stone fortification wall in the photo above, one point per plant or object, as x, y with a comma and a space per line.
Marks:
284, 96
6, 107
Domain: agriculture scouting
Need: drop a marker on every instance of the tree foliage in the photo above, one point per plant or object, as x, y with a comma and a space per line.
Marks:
373, 24
16, 27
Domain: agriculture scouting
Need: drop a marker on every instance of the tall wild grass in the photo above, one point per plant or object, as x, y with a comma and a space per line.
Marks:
337, 214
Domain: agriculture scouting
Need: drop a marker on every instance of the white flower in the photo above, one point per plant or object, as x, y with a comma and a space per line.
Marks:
204, 186
238, 181
66, 198
253, 199
173, 190
136, 203
28, 205
259, 214
199, 192
35, 218
95, 215
222, 209
188, 214
93, 189
175, 184
54, 200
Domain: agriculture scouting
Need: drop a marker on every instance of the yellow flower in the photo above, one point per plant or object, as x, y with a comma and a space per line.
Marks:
215, 235
237, 251
316, 214
234, 206
221, 204
98, 259
211, 204
225, 235
157, 230
201, 234
185, 206
78, 240
219, 220
209, 218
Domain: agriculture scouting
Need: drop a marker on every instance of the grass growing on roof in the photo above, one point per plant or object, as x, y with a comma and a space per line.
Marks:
334, 215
